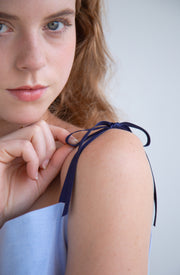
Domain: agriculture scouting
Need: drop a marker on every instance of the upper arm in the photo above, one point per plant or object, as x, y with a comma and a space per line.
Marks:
111, 211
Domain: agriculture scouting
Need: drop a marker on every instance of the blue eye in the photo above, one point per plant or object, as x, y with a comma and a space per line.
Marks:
3, 28
55, 26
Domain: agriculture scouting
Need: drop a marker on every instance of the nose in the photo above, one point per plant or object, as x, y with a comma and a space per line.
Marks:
31, 54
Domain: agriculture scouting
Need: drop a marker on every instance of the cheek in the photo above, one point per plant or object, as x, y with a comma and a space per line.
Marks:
5, 65
9, 75
64, 58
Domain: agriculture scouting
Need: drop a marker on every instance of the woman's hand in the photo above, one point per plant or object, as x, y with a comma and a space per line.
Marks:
29, 161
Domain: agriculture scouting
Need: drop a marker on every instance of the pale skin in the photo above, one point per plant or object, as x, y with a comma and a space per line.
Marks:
110, 215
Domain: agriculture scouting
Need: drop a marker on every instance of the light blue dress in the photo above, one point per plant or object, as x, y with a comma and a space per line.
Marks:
37, 243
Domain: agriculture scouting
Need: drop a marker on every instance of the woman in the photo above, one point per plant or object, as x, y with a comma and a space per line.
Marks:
53, 60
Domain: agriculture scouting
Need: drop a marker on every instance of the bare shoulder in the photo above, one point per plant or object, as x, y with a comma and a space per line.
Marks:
111, 207
115, 143
114, 153
113, 164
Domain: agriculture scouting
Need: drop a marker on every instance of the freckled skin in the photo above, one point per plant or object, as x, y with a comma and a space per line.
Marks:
37, 47
112, 200
31, 54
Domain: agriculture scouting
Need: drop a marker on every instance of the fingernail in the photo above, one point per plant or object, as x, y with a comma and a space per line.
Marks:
73, 140
45, 164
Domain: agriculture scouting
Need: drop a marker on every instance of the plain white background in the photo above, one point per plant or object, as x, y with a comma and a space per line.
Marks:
144, 39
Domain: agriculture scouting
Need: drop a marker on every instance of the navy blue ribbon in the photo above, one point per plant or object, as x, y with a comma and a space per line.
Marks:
89, 136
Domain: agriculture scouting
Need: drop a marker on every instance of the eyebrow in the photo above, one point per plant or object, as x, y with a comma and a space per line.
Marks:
61, 13
4, 15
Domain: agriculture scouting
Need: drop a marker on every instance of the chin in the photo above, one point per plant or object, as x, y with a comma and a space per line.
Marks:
25, 119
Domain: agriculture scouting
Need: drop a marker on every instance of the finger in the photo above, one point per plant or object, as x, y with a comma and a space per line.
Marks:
23, 133
54, 166
13, 149
39, 143
60, 134
33, 134
50, 145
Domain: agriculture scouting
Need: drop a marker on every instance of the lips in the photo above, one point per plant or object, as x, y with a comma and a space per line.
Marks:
28, 93
28, 87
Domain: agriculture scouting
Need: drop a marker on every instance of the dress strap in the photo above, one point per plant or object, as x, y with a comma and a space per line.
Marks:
90, 135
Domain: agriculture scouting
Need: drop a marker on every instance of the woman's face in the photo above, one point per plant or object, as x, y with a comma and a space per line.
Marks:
37, 46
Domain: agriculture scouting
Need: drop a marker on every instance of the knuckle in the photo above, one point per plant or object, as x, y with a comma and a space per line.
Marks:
26, 144
42, 123
51, 149
36, 129
3, 150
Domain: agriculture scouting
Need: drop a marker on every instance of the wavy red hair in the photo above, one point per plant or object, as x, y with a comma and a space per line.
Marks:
82, 102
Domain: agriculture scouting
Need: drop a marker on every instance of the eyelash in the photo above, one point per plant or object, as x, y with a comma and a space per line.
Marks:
63, 21
5, 24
